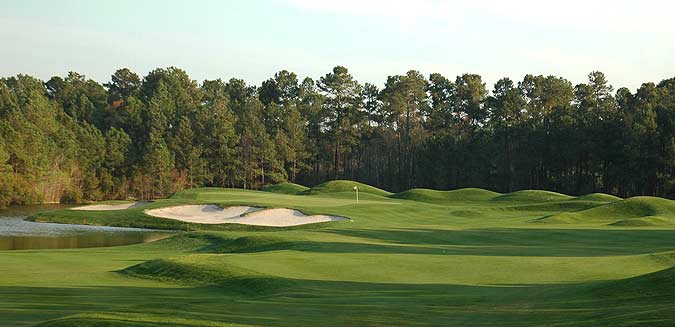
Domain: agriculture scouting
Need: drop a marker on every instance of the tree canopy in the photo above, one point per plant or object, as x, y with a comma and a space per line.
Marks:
73, 139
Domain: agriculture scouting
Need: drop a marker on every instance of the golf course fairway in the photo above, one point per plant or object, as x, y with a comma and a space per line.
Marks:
466, 257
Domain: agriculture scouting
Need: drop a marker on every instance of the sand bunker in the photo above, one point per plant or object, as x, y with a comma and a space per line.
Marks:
283, 217
212, 214
203, 214
121, 206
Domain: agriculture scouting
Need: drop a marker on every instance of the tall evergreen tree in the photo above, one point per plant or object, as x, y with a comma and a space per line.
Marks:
341, 108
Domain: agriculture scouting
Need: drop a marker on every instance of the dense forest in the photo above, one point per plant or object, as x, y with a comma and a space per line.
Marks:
71, 139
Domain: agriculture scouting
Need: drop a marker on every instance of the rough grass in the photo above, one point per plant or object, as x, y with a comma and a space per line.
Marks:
443, 197
417, 258
285, 188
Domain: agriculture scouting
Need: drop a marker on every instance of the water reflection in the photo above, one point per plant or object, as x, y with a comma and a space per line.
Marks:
77, 241
18, 234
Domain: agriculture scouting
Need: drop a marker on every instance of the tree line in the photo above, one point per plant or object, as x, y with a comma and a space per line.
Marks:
71, 139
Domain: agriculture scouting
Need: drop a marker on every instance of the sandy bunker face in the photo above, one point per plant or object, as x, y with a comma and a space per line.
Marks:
105, 207
213, 214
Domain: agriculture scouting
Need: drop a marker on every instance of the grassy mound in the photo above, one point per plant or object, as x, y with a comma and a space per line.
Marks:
248, 244
598, 197
532, 196
637, 211
648, 285
338, 186
556, 206
440, 197
186, 242
217, 242
183, 270
285, 188
643, 222
206, 270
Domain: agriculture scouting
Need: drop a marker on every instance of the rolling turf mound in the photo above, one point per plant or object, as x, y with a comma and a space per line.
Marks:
285, 188
215, 243
185, 270
657, 283
644, 222
249, 244
206, 270
637, 211
555, 206
568, 204
532, 196
339, 186
440, 197
598, 197
646, 300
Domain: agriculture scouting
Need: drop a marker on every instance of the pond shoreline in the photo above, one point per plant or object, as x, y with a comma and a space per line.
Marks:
19, 232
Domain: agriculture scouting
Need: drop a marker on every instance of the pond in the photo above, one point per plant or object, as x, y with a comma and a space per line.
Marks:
18, 234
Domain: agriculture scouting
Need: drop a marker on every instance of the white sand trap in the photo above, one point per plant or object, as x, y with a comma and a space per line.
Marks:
282, 218
203, 214
212, 214
105, 207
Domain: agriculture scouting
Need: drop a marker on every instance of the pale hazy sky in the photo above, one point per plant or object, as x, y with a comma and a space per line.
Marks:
631, 41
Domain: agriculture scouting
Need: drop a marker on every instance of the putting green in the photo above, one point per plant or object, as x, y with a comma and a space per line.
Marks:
417, 258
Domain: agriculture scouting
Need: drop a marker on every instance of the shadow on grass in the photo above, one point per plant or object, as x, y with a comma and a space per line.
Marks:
334, 303
486, 242
518, 242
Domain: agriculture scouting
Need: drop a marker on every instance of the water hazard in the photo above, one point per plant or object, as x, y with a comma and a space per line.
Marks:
18, 234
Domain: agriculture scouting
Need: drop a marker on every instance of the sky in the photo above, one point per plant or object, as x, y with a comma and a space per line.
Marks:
630, 41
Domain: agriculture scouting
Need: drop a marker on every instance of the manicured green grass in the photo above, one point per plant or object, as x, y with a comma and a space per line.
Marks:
532, 196
345, 186
638, 211
599, 197
417, 258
